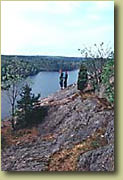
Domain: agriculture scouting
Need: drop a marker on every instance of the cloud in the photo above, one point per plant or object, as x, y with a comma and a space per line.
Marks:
53, 7
103, 5
38, 26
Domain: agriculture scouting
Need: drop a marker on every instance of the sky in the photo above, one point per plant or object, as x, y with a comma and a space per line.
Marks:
55, 28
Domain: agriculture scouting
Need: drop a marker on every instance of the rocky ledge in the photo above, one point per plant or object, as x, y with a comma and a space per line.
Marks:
76, 135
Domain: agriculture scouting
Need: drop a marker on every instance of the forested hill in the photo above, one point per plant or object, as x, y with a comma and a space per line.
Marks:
31, 65
45, 63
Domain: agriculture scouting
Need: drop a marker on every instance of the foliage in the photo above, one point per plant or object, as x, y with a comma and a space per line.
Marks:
108, 80
98, 51
13, 70
97, 56
82, 77
27, 113
12, 76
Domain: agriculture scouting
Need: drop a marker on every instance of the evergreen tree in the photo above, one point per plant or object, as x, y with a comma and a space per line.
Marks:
82, 78
26, 107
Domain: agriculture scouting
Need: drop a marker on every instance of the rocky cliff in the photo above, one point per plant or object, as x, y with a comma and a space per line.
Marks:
76, 135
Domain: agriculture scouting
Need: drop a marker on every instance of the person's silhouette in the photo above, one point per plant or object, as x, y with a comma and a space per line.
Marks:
61, 79
65, 79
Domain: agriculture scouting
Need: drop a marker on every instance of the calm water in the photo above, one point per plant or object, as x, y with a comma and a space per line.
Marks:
44, 83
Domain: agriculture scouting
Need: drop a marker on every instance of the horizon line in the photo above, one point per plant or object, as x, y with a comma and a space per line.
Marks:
42, 55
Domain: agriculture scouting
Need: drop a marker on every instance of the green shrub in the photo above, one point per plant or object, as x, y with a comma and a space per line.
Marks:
82, 77
107, 75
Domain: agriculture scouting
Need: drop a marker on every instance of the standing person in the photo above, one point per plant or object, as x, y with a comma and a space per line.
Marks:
65, 79
61, 79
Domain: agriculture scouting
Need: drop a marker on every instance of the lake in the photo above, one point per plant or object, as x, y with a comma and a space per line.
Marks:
44, 83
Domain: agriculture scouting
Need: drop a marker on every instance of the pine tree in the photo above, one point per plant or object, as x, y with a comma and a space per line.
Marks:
82, 77
26, 107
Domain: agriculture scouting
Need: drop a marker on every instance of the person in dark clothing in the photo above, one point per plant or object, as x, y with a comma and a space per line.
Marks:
65, 79
61, 79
